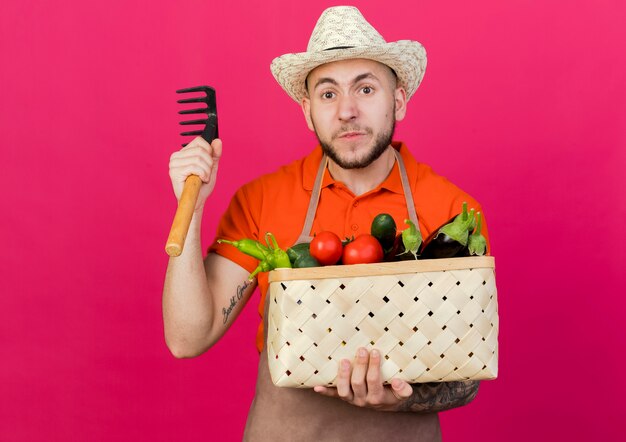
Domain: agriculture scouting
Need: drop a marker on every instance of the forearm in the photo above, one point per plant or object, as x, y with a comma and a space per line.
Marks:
439, 396
187, 308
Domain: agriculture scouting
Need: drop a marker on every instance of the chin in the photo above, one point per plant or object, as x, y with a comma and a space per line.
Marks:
356, 157
354, 161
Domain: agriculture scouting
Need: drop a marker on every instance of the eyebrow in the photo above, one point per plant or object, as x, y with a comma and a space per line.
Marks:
356, 79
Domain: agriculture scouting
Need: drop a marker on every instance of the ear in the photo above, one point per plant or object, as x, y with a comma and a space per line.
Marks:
400, 99
306, 109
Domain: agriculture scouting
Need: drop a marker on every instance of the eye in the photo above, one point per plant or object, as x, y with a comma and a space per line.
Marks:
367, 90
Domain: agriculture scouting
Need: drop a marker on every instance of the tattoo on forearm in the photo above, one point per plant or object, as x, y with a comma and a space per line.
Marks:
440, 396
234, 300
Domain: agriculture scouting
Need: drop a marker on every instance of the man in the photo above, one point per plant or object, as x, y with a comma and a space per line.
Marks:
352, 87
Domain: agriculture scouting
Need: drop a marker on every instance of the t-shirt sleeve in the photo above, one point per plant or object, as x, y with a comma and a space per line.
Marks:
238, 222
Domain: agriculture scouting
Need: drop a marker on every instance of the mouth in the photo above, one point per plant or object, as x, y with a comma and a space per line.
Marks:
350, 135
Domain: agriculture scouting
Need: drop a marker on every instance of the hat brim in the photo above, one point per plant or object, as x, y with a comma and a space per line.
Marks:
407, 58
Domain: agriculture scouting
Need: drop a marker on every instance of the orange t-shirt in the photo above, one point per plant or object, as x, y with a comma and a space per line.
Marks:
278, 203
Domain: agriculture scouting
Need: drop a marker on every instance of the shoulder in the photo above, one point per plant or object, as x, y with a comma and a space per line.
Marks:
422, 176
291, 176
415, 168
437, 198
261, 205
277, 202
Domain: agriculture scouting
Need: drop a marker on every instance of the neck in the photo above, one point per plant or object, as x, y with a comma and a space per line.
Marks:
361, 181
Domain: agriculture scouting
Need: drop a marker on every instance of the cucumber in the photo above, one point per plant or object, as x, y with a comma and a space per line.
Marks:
294, 252
305, 261
384, 229
300, 256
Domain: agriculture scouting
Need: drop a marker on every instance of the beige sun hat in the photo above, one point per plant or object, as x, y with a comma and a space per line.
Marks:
342, 33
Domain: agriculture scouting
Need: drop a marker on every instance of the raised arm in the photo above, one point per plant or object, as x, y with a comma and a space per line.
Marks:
201, 296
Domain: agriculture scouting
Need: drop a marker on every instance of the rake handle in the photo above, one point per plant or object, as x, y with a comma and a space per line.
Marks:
191, 189
182, 218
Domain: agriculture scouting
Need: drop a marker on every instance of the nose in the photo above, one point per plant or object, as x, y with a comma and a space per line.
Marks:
347, 110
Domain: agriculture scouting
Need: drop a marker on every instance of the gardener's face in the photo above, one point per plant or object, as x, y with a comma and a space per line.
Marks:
352, 106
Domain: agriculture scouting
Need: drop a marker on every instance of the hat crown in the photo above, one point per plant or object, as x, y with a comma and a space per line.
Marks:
341, 27
342, 33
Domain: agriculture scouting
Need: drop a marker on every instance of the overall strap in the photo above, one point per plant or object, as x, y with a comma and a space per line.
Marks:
305, 235
406, 188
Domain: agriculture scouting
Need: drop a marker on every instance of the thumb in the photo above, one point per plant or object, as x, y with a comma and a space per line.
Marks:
402, 390
216, 149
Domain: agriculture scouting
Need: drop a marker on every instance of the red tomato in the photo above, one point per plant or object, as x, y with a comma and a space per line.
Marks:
326, 247
364, 249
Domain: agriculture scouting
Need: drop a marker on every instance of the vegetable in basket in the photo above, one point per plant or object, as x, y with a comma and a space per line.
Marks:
300, 256
271, 256
384, 229
411, 239
249, 247
477, 244
364, 249
326, 248
450, 240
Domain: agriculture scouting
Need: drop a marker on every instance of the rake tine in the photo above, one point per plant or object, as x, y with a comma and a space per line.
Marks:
194, 89
203, 110
193, 100
188, 122
192, 132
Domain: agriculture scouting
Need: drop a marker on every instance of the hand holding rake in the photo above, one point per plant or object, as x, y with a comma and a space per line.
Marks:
193, 183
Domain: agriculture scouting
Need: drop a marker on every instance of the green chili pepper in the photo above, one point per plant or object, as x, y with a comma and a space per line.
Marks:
249, 247
477, 244
263, 266
270, 256
276, 256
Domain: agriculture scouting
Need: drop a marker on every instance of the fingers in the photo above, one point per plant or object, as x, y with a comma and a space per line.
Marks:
376, 390
182, 167
359, 374
344, 389
197, 142
402, 390
197, 158
216, 154
214, 149
362, 384
326, 391
216, 146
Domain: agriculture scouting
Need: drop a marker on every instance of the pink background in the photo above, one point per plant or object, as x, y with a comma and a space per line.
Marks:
523, 105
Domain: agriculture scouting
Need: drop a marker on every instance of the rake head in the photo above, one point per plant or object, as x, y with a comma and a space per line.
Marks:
209, 131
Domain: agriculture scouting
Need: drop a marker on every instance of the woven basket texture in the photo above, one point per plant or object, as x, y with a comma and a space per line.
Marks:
432, 320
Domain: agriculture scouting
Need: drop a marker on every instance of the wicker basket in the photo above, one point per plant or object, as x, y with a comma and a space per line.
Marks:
433, 320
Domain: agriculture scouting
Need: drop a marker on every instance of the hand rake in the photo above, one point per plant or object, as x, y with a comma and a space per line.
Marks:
187, 203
